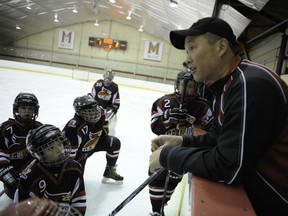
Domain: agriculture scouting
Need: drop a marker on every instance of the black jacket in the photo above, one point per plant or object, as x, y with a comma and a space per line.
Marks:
251, 146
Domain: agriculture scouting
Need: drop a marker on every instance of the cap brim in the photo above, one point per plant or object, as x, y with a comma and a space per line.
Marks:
177, 38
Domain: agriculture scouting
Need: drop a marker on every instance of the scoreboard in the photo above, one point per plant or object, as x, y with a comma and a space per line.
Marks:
107, 43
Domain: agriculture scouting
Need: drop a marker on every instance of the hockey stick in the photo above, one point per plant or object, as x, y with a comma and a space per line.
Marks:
3, 191
186, 79
165, 193
110, 116
136, 191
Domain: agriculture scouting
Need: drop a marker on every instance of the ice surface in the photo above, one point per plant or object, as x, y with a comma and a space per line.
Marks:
56, 95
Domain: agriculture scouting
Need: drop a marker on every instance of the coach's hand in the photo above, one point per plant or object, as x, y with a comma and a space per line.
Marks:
154, 160
162, 140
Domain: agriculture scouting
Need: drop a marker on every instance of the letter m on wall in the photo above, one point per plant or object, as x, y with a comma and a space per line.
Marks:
153, 50
66, 39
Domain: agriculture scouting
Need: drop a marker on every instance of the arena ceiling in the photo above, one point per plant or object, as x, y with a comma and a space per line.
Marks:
250, 19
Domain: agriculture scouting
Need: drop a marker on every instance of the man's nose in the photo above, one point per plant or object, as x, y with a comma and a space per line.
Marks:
188, 61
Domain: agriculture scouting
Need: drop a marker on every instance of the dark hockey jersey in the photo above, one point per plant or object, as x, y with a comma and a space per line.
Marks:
106, 96
195, 106
13, 144
61, 184
76, 131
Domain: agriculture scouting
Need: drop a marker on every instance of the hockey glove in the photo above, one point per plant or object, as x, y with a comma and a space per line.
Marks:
9, 177
110, 113
114, 110
177, 116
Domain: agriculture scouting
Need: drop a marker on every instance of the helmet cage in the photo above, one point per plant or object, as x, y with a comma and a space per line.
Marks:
87, 108
185, 74
107, 81
91, 115
64, 209
45, 160
44, 139
108, 77
25, 100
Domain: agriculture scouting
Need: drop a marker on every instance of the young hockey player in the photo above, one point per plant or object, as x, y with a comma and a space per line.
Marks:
87, 135
106, 93
175, 114
13, 153
53, 176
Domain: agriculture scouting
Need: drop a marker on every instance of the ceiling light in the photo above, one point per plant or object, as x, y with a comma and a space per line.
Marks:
29, 5
96, 23
112, 1
75, 9
128, 17
56, 18
173, 3
18, 27
140, 29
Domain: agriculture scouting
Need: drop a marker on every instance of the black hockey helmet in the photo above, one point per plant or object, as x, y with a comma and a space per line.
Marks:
184, 74
87, 108
47, 138
28, 100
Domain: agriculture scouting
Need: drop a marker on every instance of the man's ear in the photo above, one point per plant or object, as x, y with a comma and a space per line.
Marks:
223, 45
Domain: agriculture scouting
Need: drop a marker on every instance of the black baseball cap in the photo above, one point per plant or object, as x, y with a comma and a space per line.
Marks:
209, 24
